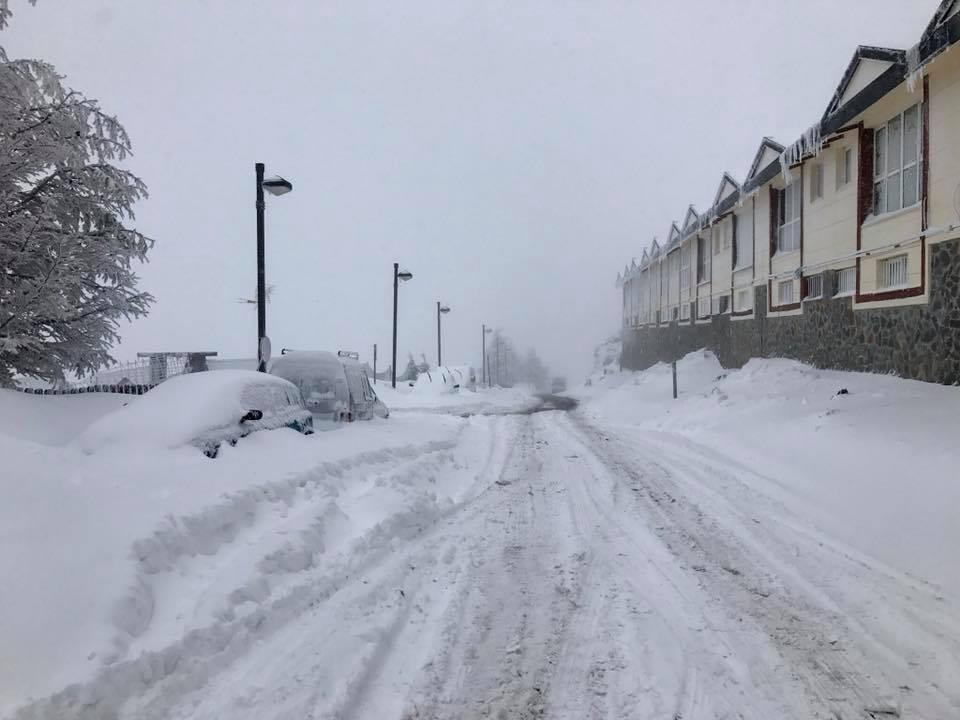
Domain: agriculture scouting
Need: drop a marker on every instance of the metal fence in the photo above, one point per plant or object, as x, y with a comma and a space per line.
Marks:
129, 378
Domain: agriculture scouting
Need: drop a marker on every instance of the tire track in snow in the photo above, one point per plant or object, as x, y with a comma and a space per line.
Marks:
797, 587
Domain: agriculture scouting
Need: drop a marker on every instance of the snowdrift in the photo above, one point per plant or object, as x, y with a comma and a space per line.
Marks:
120, 565
872, 458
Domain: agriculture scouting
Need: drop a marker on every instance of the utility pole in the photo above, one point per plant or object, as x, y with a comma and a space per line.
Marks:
397, 277
275, 186
374, 363
393, 372
441, 310
261, 274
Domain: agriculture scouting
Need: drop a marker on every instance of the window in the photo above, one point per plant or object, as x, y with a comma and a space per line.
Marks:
703, 307
744, 300
721, 304
844, 167
725, 232
847, 281
703, 259
785, 292
814, 287
685, 267
896, 162
673, 269
788, 231
816, 182
744, 240
892, 272
685, 311
716, 240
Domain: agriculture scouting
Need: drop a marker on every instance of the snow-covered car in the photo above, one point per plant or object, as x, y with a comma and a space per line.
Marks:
204, 409
334, 385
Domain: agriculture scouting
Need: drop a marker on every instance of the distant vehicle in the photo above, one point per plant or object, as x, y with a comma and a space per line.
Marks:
334, 386
204, 409
558, 385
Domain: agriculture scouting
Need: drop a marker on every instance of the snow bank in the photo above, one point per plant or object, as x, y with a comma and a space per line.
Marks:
53, 419
871, 458
108, 558
439, 398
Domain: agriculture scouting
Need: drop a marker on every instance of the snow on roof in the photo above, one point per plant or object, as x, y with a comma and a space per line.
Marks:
878, 58
727, 186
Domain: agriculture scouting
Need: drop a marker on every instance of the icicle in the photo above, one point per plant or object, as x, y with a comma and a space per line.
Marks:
809, 144
913, 68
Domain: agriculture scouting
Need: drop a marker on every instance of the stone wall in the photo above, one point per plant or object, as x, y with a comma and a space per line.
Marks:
913, 341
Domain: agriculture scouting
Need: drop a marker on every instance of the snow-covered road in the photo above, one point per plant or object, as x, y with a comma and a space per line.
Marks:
584, 572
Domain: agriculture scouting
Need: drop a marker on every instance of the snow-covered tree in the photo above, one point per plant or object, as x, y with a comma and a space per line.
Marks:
66, 254
5, 12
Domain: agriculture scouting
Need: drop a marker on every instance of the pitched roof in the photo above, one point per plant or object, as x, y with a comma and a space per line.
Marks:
866, 65
945, 10
691, 217
767, 144
727, 186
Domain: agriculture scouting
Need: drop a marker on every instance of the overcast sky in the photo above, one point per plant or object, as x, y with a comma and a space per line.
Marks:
513, 155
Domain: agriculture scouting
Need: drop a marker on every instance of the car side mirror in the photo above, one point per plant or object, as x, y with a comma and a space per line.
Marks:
252, 415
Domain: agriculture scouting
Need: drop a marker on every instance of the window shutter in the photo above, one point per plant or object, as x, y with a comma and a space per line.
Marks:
774, 215
865, 174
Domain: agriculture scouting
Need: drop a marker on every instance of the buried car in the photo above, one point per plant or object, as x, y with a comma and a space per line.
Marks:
334, 386
204, 409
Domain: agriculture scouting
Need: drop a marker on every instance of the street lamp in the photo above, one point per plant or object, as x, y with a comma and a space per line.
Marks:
398, 275
483, 360
275, 185
441, 310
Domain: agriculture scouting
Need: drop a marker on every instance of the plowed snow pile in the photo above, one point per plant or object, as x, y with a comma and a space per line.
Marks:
106, 557
874, 459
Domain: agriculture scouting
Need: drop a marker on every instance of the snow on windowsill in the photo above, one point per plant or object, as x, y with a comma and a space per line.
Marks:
872, 220
786, 253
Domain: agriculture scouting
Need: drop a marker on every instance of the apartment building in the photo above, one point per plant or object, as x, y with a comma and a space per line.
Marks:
841, 249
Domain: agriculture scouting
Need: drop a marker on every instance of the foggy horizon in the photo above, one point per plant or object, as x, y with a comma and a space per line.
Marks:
513, 157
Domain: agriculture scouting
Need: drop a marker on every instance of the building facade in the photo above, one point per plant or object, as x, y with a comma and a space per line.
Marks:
841, 249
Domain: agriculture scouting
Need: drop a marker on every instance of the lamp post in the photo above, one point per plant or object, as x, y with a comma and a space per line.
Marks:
483, 358
397, 276
441, 310
275, 186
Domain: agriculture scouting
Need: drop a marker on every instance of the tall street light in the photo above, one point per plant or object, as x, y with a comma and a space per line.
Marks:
485, 373
441, 310
397, 276
275, 185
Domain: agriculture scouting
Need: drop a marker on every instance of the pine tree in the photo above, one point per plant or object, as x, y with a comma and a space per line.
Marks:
66, 254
